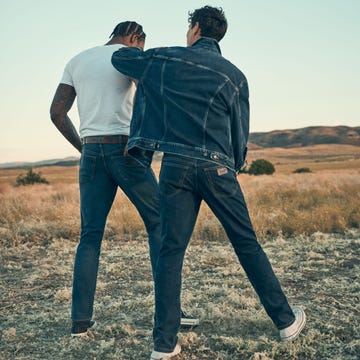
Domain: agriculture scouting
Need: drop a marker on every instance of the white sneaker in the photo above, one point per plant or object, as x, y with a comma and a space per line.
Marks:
292, 332
157, 355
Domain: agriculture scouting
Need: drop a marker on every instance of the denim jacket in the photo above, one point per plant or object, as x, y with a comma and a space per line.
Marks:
190, 101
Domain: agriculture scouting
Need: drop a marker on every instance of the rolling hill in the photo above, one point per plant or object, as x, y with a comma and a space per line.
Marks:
308, 136
68, 161
313, 135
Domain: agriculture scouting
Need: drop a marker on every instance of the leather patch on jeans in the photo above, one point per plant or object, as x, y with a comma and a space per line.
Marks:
222, 171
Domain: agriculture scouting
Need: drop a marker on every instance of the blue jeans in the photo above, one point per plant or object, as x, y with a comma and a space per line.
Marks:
102, 169
184, 183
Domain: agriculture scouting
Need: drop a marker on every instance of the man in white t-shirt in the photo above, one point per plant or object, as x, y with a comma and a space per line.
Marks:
105, 102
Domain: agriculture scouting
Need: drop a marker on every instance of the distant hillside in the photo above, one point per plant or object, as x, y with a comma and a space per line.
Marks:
313, 135
68, 161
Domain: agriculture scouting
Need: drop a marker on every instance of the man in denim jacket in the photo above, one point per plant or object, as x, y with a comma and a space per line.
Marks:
192, 104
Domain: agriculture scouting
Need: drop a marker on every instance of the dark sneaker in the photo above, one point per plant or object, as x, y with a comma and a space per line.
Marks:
292, 332
80, 328
188, 320
157, 355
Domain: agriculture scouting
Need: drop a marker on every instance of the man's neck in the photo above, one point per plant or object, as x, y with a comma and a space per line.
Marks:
115, 41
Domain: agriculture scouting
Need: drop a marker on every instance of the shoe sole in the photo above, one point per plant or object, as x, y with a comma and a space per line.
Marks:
85, 333
189, 322
176, 351
298, 331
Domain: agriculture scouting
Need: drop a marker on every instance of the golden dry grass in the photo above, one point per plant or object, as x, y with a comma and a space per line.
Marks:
326, 157
304, 203
281, 204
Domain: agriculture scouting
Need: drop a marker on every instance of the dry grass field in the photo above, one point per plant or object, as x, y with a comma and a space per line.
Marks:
309, 225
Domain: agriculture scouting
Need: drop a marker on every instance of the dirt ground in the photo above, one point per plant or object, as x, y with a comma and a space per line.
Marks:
320, 273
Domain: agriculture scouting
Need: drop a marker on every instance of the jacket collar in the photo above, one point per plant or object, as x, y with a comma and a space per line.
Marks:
208, 43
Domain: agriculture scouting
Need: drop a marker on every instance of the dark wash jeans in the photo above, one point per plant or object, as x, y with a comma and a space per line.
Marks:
184, 183
102, 169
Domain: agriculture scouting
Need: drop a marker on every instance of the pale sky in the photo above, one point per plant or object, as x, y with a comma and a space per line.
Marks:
301, 59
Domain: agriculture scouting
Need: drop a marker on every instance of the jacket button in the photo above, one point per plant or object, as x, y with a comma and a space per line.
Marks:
157, 145
214, 156
205, 153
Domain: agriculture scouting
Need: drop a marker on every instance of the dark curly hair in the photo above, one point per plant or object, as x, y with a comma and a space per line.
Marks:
128, 28
212, 21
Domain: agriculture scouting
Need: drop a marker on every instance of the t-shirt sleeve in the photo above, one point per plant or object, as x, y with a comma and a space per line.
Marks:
66, 77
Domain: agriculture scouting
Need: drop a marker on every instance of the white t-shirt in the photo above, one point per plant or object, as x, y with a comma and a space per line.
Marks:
104, 96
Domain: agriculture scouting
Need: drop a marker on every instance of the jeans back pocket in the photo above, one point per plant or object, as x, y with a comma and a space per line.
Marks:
221, 181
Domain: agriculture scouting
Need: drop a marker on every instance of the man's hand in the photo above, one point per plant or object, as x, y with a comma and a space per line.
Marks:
61, 104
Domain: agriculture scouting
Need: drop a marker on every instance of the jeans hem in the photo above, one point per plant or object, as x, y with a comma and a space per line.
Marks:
164, 350
80, 320
284, 327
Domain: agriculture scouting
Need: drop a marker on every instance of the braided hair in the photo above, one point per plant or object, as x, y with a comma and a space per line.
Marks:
128, 28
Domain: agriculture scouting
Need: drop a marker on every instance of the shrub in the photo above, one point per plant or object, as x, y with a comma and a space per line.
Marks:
260, 167
302, 170
30, 178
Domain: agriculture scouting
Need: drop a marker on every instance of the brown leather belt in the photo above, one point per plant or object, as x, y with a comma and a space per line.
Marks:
105, 139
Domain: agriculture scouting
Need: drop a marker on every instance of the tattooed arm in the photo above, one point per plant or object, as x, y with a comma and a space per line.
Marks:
61, 104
